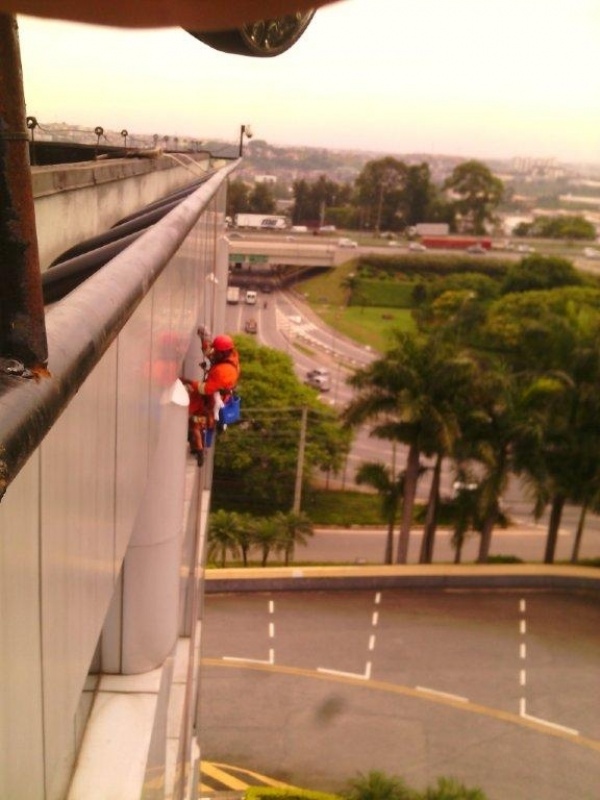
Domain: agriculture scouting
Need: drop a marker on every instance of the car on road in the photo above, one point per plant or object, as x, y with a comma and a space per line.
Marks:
251, 326
319, 378
477, 249
417, 247
347, 243
319, 382
318, 371
591, 252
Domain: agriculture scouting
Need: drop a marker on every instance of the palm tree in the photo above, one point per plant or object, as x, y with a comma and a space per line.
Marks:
378, 786
390, 491
266, 536
222, 538
293, 529
409, 395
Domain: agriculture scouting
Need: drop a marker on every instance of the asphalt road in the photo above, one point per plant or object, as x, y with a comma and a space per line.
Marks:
499, 689
367, 545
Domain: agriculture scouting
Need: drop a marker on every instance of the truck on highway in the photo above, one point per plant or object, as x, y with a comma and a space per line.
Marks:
233, 294
268, 222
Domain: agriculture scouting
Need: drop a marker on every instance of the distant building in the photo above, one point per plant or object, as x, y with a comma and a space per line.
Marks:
265, 179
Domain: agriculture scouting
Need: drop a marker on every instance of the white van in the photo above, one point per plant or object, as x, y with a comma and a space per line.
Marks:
251, 298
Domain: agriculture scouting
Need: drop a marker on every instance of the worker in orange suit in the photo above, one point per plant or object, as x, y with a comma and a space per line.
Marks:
209, 394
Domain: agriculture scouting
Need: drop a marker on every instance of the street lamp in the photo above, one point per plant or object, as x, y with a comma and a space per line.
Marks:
245, 130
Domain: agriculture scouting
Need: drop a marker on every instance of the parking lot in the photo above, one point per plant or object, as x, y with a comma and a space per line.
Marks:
499, 689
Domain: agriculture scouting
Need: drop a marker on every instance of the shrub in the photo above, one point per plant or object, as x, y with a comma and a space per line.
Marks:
449, 789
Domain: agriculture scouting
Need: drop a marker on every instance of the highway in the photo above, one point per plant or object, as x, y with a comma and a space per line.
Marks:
289, 325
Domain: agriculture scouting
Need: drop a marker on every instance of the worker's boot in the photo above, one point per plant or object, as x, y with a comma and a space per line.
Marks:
195, 440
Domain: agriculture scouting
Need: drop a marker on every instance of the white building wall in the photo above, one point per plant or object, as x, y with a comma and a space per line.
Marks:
67, 518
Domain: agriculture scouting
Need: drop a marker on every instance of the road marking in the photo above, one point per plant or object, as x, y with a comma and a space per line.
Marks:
271, 659
522, 656
523, 721
341, 674
447, 695
211, 770
562, 728
366, 676
243, 660
221, 773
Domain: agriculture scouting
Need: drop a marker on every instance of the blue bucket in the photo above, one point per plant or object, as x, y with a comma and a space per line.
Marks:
231, 411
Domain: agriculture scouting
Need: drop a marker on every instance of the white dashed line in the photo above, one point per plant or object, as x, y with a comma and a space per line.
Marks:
271, 659
371, 646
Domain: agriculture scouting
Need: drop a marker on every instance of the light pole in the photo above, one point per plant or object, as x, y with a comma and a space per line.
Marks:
245, 130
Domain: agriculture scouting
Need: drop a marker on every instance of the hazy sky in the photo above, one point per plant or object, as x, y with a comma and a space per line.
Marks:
479, 78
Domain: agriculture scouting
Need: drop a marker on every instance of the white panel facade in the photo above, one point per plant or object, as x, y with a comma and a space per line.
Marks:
78, 565
67, 519
22, 747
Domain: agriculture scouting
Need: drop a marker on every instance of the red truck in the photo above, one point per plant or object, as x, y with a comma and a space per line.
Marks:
456, 242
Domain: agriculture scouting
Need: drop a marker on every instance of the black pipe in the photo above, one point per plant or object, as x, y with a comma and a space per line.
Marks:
181, 193
138, 221
66, 276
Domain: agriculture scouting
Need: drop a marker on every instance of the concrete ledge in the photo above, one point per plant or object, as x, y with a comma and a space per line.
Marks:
434, 576
55, 178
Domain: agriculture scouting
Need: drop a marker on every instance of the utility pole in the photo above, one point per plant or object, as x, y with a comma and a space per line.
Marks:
300, 464
22, 322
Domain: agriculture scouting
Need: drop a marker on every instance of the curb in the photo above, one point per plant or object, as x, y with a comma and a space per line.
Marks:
518, 576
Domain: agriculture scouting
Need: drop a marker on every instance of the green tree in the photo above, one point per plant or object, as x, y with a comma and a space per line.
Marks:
552, 338
379, 187
238, 201
223, 535
294, 529
267, 537
261, 200
451, 789
378, 786
478, 193
569, 226
256, 460
538, 272
390, 489
418, 195
302, 209
312, 201
407, 396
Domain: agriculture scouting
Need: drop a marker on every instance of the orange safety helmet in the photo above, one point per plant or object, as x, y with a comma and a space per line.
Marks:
222, 343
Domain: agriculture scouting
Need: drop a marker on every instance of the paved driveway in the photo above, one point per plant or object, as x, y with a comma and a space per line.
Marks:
499, 689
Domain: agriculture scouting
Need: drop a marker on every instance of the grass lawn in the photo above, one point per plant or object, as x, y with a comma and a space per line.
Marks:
369, 326
326, 294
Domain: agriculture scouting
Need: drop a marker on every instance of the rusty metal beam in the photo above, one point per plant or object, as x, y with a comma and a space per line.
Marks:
22, 324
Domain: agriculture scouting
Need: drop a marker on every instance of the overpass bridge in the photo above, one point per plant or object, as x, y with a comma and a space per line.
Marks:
278, 258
